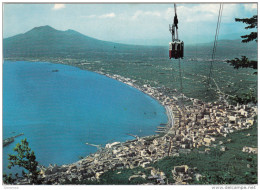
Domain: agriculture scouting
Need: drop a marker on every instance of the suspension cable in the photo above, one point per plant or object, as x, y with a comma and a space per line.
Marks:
219, 25
180, 79
215, 42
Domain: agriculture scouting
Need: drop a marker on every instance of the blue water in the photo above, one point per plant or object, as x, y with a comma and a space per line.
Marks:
59, 112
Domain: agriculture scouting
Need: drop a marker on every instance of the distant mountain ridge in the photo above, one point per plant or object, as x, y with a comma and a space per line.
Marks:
45, 41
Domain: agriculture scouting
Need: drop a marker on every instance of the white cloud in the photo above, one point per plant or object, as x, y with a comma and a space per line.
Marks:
109, 15
145, 13
251, 6
58, 6
230, 12
203, 13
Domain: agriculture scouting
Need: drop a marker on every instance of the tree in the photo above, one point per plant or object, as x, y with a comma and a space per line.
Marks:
25, 158
8, 179
245, 98
244, 62
252, 22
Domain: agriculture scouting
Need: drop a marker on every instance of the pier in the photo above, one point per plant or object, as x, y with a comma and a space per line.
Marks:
95, 145
135, 136
10, 139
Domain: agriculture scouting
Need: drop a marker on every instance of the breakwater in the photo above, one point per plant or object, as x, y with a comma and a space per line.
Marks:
10, 139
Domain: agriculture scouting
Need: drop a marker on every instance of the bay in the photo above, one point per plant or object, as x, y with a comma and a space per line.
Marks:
59, 108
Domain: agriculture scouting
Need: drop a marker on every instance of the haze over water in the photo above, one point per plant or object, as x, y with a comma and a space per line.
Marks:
59, 112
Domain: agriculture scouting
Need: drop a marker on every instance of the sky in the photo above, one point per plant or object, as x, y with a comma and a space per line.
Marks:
146, 24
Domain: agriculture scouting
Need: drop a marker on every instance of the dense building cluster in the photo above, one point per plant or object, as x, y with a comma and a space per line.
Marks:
196, 125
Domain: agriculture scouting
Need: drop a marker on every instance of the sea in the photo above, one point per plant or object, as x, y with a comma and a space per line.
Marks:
60, 108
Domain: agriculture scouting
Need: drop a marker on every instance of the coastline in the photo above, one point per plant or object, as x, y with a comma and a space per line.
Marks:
176, 140
147, 90
194, 126
145, 150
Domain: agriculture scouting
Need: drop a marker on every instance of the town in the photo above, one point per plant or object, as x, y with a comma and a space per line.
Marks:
189, 127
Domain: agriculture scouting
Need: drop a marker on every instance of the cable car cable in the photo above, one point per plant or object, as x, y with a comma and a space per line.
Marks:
181, 88
221, 11
214, 48
215, 43
176, 51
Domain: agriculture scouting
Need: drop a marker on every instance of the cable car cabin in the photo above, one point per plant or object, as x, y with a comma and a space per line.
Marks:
176, 49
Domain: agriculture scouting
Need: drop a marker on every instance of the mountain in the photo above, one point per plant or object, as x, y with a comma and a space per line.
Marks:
47, 41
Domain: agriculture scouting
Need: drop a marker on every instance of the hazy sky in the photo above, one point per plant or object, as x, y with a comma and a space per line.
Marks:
130, 23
